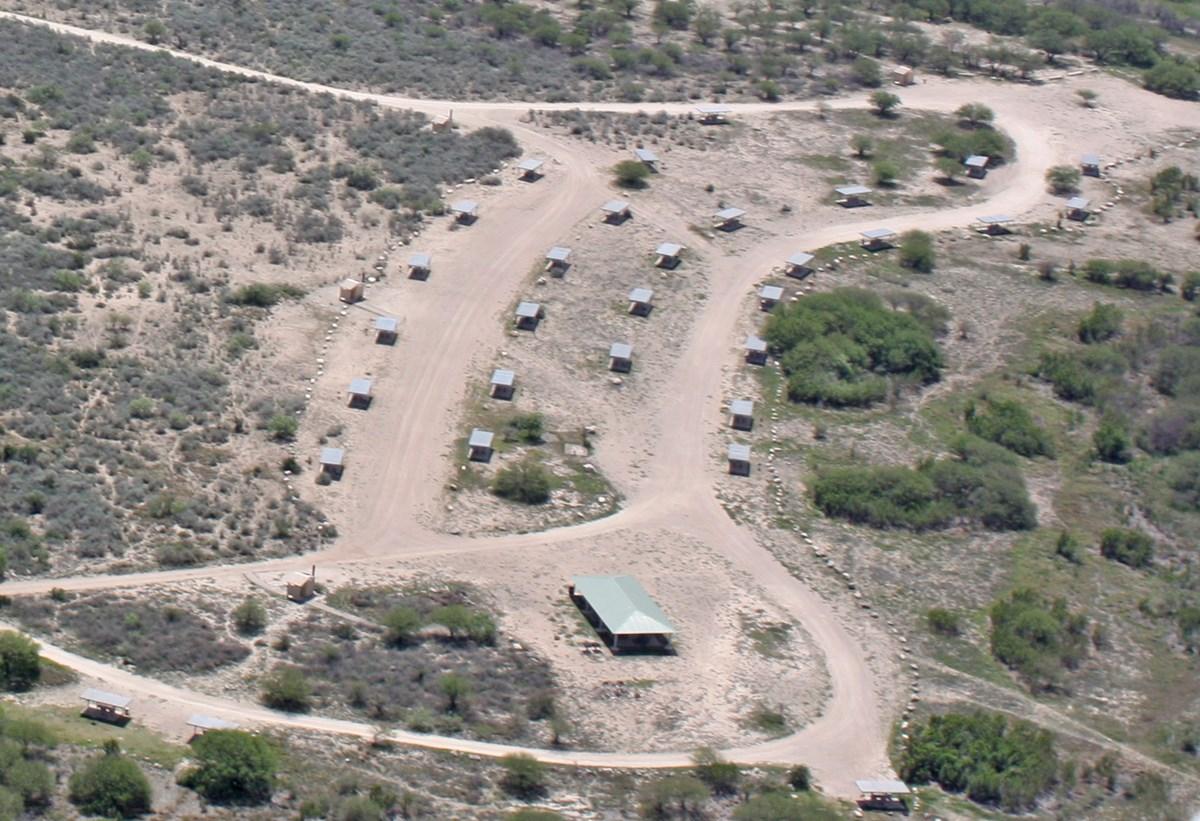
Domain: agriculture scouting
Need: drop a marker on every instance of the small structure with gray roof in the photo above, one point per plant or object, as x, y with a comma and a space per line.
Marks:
558, 260
713, 113
419, 265
479, 445
386, 329
668, 254
728, 219
647, 158
995, 224
531, 169
620, 357
769, 296
739, 459
1078, 209
503, 384
756, 350
878, 239
333, 462
1089, 165
201, 724
616, 211
464, 212
622, 613
360, 393
528, 315
102, 705
852, 196
741, 414
641, 301
977, 166
884, 794
798, 265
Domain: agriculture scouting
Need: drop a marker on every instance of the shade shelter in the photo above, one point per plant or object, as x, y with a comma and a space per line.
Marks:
102, 705
529, 314
1089, 165
756, 350
713, 113
977, 166
995, 224
531, 169
622, 612
558, 260
479, 445
668, 254
301, 586
333, 462
852, 196
616, 211
360, 393
884, 794
620, 357
201, 724
878, 239
728, 219
419, 265
641, 301
464, 212
647, 158
1078, 209
350, 291
798, 265
904, 75
769, 296
503, 384
385, 330
741, 414
739, 459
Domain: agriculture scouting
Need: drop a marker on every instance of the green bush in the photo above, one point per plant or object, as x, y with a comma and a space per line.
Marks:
110, 785
525, 481
263, 294
283, 427
1112, 441
884, 172
800, 778
1173, 78
30, 779
1183, 478
233, 767
631, 174
1134, 274
19, 663
884, 102
526, 427
286, 688
942, 621
1009, 424
1101, 325
465, 624
994, 760
975, 114
916, 251
672, 796
524, 776
1063, 179
401, 625
1129, 547
722, 777
250, 617
1037, 638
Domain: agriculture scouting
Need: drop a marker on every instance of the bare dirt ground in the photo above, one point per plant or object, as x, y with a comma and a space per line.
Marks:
452, 326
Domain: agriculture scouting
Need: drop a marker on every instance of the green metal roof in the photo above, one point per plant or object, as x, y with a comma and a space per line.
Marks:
623, 605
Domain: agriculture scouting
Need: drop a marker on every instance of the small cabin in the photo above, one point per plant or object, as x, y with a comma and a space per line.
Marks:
904, 76
350, 291
528, 315
386, 329
558, 260
728, 219
201, 724
756, 350
713, 114
1078, 209
641, 301
647, 158
798, 265
620, 357
769, 296
442, 123
977, 166
616, 211
503, 384
741, 414
464, 212
301, 586
852, 196
878, 239
739, 459
360, 393
479, 445
1089, 165
333, 462
531, 169
668, 255
419, 265
995, 224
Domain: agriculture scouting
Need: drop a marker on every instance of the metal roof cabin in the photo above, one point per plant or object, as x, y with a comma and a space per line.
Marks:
419, 265
977, 166
1077, 209
479, 445
102, 705
877, 239
503, 384
529, 314
769, 296
668, 254
465, 212
647, 158
201, 724
622, 612
350, 291
739, 459
531, 169
333, 461
852, 196
558, 260
641, 301
884, 794
713, 113
728, 219
741, 414
616, 211
620, 357
385, 330
360, 393
995, 224
797, 265
756, 350
1089, 165
903, 75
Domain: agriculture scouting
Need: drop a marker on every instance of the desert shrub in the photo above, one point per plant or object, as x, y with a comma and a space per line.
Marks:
1172, 429
524, 776
283, 427
994, 760
975, 114
1173, 78
465, 623
1111, 440
885, 172
800, 778
672, 796
1063, 179
631, 174
233, 767
1183, 478
1037, 638
110, 785
250, 617
884, 102
942, 621
1067, 546
263, 294
721, 776
1100, 325
526, 427
1082, 376
866, 72
526, 481
916, 251
1134, 274
286, 688
840, 348
30, 779
1009, 424
401, 625
1129, 547
19, 663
